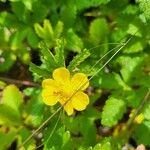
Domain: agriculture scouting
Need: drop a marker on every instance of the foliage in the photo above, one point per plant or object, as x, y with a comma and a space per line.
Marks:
38, 36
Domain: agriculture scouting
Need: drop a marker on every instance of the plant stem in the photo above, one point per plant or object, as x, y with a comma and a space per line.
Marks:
26, 83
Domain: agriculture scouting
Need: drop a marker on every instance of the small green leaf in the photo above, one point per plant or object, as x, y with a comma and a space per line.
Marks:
105, 146
38, 70
113, 111
98, 31
7, 137
110, 81
58, 29
35, 106
39, 30
74, 42
8, 58
9, 116
48, 57
147, 112
68, 14
78, 59
130, 66
48, 30
32, 38
59, 50
12, 97
142, 133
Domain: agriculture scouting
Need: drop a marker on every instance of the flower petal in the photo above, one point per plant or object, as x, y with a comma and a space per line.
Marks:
80, 101
61, 75
79, 81
48, 82
48, 97
69, 108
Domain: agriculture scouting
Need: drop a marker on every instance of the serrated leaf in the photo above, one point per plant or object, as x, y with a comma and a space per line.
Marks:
59, 50
12, 97
113, 111
110, 81
39, 71
145, 8
48, 57
78, 59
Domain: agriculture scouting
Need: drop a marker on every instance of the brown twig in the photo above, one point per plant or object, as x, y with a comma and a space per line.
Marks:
26, 83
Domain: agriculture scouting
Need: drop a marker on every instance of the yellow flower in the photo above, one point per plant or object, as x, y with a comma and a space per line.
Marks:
66, 90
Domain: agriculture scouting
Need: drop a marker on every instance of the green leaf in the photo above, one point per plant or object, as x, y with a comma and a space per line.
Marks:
145, 8
59, 140
78, 59
20, 11
39, 71
131, 66
48, 57
39, 11
59, 50
32, 38
17, 38
48, 30
98, 31
7, 137
90, 3
35, 106
12, 97
8, 58
23, 134
58, 29
39, 30
142, 133
74, 42
113, 111
110, 81
147, 112
9, 116
68, 14
105, 146
134, 97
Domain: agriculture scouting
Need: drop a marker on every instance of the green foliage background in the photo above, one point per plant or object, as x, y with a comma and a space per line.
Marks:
37, 36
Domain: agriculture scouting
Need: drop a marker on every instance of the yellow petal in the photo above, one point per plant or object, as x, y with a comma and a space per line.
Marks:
69, 108
79, 81
48, 96
80, 101
61, 75
48, 82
